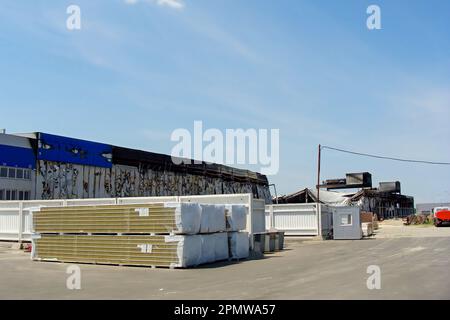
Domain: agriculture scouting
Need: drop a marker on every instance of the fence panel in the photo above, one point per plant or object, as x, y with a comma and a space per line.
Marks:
16, 216
90, 202
293, 219
142, 200
9, 223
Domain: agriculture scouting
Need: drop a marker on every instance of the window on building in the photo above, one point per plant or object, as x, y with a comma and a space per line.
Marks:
19, 173
26, 195
13, 195
20, 195
12, 173
8, 195
346, 220
27, 174
2, 194
3, 172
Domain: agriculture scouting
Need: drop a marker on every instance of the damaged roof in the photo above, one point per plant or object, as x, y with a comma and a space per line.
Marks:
308, 195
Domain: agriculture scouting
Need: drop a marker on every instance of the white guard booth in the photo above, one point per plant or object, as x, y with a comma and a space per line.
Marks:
346, 223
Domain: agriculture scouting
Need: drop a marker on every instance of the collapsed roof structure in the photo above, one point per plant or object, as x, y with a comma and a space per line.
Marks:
386, 200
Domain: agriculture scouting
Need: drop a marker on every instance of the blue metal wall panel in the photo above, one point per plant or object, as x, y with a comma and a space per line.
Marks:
12, 156
69, 150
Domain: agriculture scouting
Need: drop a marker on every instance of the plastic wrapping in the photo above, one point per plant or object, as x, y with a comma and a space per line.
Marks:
188, 250
236, 216
34, 253
367, 229
212, 218
239, 245
193, 250
208, 248
221, 246
187, 217
204, 221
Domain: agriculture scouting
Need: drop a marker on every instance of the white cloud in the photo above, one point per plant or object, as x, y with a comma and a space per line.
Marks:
435, 101
174, 4
425, 103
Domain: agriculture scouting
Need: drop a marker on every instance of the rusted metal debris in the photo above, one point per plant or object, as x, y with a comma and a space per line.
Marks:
416, 219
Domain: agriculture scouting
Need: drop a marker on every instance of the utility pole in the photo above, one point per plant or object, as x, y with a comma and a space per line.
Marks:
319, 207
318, 174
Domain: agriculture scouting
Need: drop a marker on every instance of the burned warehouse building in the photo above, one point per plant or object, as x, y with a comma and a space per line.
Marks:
386, 201
44, 166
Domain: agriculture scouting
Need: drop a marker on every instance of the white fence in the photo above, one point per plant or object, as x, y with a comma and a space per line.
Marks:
299, 219
16, 224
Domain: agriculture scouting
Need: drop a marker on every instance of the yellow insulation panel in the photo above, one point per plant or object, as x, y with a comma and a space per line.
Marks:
106, 219
100, 249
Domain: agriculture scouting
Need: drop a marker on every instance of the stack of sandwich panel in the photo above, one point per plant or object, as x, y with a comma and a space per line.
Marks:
367, 229
136, 250
213, 236
117, 234
167, 235
238, 240
144, 219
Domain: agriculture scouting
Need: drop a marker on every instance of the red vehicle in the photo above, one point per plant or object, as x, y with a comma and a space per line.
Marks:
441, 216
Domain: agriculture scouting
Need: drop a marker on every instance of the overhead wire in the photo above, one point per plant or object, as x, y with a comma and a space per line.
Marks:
387, 158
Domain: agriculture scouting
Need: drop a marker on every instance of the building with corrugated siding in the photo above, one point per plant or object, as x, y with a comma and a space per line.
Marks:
17, 168
45, 166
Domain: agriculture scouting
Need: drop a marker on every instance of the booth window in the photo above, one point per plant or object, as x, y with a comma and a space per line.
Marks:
346, 219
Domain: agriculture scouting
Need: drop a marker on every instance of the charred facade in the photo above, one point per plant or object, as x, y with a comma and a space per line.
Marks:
67, 168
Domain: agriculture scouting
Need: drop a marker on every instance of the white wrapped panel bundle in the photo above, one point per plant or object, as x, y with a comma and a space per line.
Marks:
212, 218
194, 250
189, 250
236, 217
208, 248
204, 221
239, 245
221, 246
214, 247
187, 217
367, 229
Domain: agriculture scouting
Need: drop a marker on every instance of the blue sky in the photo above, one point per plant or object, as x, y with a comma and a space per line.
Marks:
137, 71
